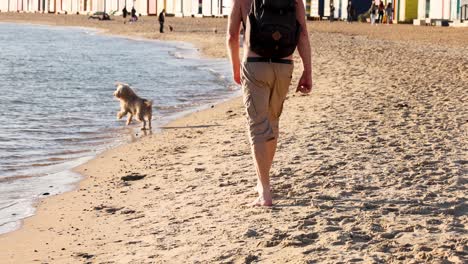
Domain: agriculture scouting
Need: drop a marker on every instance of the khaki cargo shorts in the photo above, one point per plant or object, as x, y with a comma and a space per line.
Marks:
265, 86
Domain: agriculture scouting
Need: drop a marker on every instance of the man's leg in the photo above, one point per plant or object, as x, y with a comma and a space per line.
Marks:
263, 154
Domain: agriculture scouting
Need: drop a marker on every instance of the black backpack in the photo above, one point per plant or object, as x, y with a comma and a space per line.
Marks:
272, 29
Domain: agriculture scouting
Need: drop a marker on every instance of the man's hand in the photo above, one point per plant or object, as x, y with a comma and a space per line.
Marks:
236, 75
305, 83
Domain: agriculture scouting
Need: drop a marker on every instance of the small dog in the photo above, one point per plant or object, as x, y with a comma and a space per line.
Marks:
132, 104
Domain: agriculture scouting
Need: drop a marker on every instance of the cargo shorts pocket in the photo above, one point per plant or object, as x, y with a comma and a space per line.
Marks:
250, 107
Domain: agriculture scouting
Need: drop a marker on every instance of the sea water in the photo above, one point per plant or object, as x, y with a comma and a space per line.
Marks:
57, 109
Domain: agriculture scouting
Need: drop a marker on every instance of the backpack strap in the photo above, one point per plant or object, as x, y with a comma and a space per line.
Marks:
242, 18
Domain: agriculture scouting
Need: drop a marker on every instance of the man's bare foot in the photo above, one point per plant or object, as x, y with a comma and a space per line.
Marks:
258, 187
261, 202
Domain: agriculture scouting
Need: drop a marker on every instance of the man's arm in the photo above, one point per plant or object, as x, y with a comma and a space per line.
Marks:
303, 46
233, 30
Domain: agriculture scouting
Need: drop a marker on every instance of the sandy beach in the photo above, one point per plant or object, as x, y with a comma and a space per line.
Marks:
371, 166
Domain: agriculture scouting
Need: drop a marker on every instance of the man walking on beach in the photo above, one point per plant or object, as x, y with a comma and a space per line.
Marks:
161, 21
266, 72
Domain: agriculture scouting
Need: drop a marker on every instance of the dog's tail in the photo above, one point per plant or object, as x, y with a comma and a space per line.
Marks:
148, 103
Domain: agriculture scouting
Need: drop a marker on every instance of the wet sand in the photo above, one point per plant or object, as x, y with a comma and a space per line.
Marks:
370, 168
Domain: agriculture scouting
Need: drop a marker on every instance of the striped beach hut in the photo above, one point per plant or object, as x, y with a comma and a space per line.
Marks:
463, 10
441, 9
315, 8
213, 8
321, 8
108, 6
4, 6
459, 10
154, 7
340, 8
200, 8
176, 7
69, 6
11, 5
24, 5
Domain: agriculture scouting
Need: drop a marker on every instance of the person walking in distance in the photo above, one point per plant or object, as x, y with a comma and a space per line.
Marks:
381, 13
161, 20
349, 10
373, 13
133, 15
265, 72
332, 12
124, 13
389, 11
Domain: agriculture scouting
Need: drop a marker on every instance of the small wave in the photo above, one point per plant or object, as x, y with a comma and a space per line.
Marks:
82, 139
176, 54
43, 164
174, 107
8, 205
21, 102
67, 152
13, 178
57, 159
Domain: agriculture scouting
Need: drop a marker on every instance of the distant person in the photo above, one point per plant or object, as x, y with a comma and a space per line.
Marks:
332, 12
389, 11
134, 16
373, 13
161, 20
124, 12
349, 9
381, 12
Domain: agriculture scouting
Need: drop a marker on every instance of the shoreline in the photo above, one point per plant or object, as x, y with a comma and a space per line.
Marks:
369, 168
73, 172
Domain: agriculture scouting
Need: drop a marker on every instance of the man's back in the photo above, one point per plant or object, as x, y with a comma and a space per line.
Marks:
245, 6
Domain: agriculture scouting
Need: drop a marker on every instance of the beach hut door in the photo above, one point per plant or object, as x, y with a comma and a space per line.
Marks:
152, 7
428, 8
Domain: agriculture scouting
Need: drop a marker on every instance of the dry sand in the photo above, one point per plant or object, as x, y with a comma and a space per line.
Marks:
371, 167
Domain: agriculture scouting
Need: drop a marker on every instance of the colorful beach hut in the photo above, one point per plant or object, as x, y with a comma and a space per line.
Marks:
315, 8
405, 10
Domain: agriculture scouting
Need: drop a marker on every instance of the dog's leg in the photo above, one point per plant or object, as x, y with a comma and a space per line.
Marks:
149, 114
129, 119
144, 125
121, 114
